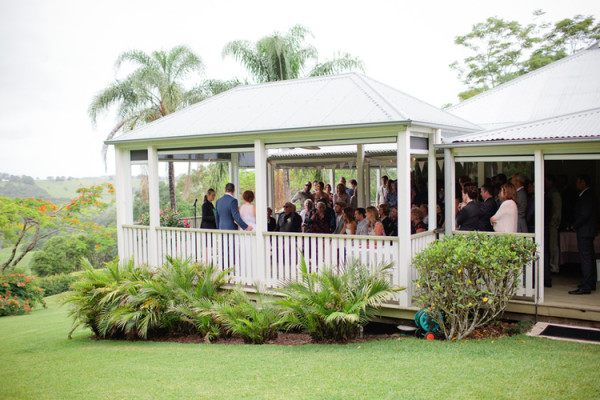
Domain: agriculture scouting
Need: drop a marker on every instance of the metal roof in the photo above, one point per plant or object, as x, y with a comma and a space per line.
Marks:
336, 101
579, 125
563, 87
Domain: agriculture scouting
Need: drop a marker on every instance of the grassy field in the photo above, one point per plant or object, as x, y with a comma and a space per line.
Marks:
68, 189
39, 362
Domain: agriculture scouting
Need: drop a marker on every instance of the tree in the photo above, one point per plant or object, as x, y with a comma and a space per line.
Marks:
279, 57
151, 91
25, 222
504, 50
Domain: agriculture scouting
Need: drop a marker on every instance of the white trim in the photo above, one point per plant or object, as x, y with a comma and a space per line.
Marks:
206, 151
432, 184
403, 163
154, 205
449, 189
493, 158
260, 168
539, 222
595, 156
360, 175
124, 197
332, 142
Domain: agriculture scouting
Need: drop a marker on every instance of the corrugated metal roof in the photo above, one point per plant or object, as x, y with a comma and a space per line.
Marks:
565, 86
585, 124
321, 102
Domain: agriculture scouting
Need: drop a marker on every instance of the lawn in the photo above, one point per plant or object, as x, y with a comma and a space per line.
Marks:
39, 362
23, 265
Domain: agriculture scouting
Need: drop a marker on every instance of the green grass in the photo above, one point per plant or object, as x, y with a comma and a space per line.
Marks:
39, 362
23, 265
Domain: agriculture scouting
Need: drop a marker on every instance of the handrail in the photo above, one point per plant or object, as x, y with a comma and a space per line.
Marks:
135, 226
331, 236
527, 235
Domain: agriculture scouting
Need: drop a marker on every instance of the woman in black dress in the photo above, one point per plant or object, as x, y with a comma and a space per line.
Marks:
208, 211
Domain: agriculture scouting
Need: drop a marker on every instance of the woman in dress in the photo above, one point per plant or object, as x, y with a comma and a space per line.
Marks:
307, 210
507, 217
375, 227
247, 210
208, 211
328, 191
349, 221
319, 193
318, 222
341, 196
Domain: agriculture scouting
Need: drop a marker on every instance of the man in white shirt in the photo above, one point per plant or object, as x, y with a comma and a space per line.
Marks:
363, 222
382, 191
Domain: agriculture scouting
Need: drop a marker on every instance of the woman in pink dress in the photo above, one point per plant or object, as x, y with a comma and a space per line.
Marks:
507, 217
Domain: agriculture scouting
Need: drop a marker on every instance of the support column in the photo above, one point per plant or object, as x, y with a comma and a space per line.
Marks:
432, 184
260, 168
538, 168
404, 245
271, 187
449, 189
123, 197
360, 175
332, 178
234, 176
367, 184
480, 173
154, 206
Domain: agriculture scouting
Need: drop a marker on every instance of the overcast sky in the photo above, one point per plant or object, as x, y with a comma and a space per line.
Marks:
55, 55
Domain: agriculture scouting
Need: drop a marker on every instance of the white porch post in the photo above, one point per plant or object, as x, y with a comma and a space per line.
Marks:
538, 166
260, 165
154, 206
332, 178
449, 188
432, 184
367, 185
378, 183
271, 186
360, 175
404, 245
123, 197
234, 176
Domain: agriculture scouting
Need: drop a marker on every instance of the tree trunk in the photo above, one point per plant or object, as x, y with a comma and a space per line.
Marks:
172, 185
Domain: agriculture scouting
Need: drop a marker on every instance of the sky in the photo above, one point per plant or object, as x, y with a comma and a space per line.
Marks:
56, 55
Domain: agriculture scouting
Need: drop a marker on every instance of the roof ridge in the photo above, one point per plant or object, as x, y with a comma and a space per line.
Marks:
363, 79
518, 79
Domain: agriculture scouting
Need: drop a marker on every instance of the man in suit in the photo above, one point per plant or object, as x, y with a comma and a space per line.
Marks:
487, 208
289, 220
519, 181
382, 191
338, 207
584, 222
228, 215
468, 217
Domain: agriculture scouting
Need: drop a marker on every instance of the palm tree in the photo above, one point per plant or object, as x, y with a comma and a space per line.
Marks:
151, 91
279, 57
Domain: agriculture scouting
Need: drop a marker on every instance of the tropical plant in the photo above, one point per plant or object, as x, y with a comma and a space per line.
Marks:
469, 279
285, 56
151, 91
256, 322
334, 303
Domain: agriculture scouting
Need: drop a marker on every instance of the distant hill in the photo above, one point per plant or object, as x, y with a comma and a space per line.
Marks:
23, 190
56, 191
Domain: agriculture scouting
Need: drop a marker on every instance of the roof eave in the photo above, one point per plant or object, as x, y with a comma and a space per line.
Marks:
517, 142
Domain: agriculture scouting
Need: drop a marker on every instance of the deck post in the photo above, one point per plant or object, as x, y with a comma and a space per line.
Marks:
538, 168
234, 173
270, 186
260, 168
432, 183
123, 197
154, 206
367, 184
332, 178
360, 175
404, 245
449, 189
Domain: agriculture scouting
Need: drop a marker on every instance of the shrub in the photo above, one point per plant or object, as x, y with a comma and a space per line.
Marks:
332, 305
138, 302
19, 294
469, 279
256, 322
62, 254
55, 284
168, 217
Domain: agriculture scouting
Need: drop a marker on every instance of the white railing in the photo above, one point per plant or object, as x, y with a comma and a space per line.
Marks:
527, 286
418, 242
135, 240
283, 253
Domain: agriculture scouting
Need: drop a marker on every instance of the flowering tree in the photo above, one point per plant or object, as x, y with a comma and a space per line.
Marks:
24, 222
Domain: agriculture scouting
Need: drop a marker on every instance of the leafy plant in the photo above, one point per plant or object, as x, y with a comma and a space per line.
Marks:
256, 322
19, 294
469, 279
168, 217
333, 303
59, 283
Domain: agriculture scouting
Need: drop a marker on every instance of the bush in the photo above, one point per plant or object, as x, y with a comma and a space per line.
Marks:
138, 302
19, 294
256, 322
469, 279
168, 217
332, 305
55, 284
62, 254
